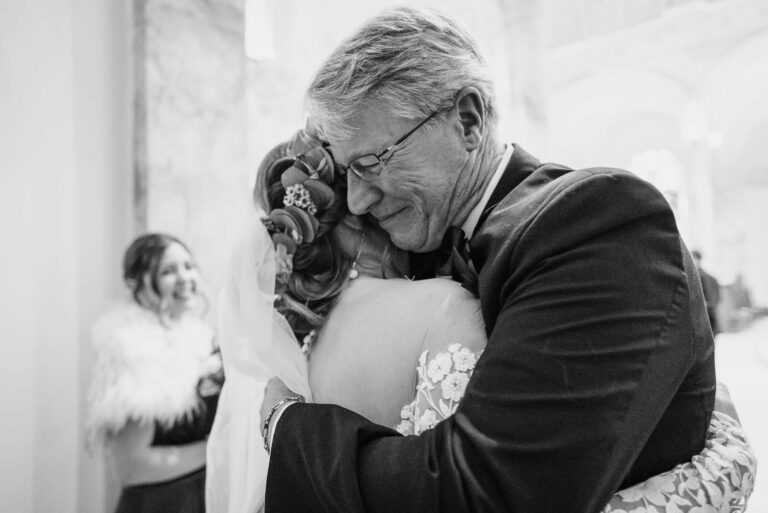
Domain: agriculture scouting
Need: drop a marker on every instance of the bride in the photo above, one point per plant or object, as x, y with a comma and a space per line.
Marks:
308, 285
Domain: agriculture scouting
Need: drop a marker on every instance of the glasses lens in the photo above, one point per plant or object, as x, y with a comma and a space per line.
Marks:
367, 166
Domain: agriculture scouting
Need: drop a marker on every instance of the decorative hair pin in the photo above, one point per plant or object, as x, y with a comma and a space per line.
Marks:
299, 195
308, 194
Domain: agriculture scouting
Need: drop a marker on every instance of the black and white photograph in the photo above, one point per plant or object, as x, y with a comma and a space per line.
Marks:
357, 256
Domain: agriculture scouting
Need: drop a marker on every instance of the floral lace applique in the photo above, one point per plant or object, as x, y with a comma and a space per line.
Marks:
441, 385
718, 480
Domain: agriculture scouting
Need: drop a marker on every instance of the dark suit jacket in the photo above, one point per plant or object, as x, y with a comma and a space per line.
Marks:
598, 373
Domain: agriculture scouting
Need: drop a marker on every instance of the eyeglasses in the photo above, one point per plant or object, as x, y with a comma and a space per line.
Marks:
371, 165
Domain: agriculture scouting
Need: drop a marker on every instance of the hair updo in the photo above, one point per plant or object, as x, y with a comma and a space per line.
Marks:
319, 266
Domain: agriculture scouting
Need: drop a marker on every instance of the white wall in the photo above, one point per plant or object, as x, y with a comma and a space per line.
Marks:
65, 214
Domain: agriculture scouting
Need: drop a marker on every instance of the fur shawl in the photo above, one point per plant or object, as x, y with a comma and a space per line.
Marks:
145, 371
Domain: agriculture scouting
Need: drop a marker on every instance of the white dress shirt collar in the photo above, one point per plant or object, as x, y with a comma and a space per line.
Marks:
474, 216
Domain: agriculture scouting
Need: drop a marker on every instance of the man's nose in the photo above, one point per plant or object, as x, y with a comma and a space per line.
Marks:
361, 195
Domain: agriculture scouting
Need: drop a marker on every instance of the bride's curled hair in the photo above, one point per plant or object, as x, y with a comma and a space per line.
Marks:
319, 267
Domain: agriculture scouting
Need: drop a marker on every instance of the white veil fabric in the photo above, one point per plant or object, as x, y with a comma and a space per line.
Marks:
256, 344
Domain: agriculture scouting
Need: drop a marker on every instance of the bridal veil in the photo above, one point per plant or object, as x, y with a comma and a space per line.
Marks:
256, 344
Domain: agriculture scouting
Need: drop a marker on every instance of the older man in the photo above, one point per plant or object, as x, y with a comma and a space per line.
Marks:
599, 368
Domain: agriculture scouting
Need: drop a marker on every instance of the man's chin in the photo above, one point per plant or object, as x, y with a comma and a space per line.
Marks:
401, 241
414, 242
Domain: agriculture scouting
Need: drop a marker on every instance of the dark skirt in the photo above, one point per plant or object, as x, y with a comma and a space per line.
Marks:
185, 494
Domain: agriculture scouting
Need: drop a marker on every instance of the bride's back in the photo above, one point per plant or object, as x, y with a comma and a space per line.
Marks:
366, 355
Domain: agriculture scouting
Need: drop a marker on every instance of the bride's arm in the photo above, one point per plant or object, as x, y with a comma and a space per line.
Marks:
723, 402
720, 478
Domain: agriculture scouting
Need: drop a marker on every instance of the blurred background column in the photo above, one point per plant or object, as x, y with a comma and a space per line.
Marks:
65, 189
190, 132
524, 118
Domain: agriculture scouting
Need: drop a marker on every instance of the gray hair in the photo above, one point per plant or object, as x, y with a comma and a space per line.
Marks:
413, 61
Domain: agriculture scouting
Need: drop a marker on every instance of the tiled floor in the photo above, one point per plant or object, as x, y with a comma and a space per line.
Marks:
742, 364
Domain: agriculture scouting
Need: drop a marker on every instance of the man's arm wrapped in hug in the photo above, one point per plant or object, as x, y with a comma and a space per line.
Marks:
598, 373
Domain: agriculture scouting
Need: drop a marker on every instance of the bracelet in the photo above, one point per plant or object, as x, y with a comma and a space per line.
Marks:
265, 426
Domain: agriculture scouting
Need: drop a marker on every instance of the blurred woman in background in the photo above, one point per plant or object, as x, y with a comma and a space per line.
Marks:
156, 381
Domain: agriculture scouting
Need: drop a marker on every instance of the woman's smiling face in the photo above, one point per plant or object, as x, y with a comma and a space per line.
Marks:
177, 278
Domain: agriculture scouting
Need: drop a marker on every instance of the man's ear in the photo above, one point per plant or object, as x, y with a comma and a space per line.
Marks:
471, 112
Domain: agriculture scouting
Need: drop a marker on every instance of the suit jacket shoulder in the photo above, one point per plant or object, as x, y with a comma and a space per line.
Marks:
552, 208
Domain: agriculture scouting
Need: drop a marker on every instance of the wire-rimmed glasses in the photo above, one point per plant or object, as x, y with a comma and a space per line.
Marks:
371, 165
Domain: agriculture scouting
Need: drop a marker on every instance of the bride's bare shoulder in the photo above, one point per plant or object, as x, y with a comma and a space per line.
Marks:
435, 289
457, 320
451, 313
412, 303
447, 296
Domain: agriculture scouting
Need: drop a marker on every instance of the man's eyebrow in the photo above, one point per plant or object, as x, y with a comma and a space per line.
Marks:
354, 157
384, 146
362, 154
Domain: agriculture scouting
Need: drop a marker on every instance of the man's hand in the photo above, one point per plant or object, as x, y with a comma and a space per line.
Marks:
723, 402
274, 392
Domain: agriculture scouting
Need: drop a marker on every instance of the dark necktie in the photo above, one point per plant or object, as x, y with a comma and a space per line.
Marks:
452, 259
455, 259
462, 268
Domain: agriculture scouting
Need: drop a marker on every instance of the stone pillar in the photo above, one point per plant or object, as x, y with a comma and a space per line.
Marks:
191, 173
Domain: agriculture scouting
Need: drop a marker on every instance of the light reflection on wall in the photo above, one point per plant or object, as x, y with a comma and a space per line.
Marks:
259, 30
665, 171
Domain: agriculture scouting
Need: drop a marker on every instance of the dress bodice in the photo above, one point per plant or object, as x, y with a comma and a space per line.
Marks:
442, 379
418, 377
373, 341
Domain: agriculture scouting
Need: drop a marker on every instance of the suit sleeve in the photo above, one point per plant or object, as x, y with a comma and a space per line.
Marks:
591, 341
